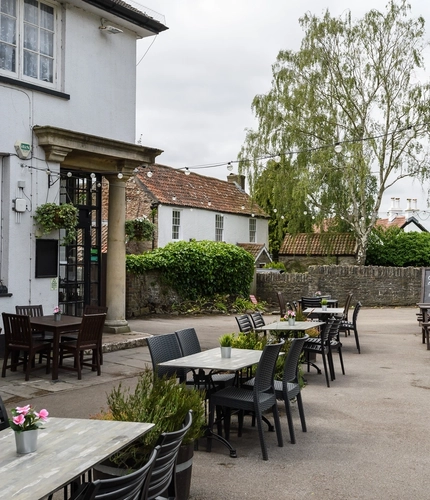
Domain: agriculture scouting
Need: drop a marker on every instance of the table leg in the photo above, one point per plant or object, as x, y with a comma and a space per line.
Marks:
55, 355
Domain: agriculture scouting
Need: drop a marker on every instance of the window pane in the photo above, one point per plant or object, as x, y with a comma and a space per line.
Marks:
8, 7
30, 37
46, 17
7, 57
8, 29
31, 14
46, 69
30, 64
46, 43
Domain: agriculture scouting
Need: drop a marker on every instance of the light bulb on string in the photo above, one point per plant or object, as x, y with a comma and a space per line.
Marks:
338, 147
410, 131
149, 174
93, 175
69, 174
229, 166
277, 159
275, 210
187, 171
120, 175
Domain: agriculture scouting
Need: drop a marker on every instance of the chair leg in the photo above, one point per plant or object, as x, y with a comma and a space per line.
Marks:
325, 369
289, 419
261, 436
301, 412
78, 364
277, 425
341, 359
357, 342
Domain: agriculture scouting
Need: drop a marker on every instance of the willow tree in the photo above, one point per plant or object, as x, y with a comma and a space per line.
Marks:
346, 118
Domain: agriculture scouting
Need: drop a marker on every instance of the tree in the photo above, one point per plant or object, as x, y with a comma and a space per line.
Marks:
352, 86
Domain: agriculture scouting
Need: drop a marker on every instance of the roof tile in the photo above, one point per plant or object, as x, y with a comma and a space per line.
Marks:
318, 244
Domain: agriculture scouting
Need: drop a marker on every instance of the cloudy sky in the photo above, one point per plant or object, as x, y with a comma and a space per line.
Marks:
196, 81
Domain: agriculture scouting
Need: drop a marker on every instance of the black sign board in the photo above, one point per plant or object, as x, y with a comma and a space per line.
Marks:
425, 285
46, 258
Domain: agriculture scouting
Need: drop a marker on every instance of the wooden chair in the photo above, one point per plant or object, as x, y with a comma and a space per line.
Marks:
89, 338
4, 420
35, 311
19, 338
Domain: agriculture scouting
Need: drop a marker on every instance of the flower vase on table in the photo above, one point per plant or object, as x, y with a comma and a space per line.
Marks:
25, 423
291, 321
291, 317
57, 314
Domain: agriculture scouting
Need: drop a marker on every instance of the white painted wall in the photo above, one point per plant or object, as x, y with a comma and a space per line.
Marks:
200, 225
99, 73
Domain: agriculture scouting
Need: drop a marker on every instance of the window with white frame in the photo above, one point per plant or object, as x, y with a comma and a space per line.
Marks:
28, 30
219, 227
252, 230
176, 224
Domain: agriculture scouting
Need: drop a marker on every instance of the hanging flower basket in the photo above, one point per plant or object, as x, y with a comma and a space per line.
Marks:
140, 229
50, 217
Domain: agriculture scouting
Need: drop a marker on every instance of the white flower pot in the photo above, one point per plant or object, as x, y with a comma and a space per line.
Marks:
26, 441
291, 321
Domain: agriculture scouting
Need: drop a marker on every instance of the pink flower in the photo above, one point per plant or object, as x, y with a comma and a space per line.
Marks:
23, 409
43, 414
19, 419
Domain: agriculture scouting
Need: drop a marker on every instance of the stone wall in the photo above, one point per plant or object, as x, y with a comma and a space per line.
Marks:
372, 285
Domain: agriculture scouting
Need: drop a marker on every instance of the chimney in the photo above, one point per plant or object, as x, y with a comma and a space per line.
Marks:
411, 208
238, 179
395, 210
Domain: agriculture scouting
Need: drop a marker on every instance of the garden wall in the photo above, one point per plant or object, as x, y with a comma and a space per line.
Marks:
373, 286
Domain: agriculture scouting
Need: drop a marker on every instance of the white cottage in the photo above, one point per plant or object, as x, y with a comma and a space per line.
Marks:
68, 106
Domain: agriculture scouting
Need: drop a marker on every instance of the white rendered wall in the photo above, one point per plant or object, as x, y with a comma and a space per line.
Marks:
200, 225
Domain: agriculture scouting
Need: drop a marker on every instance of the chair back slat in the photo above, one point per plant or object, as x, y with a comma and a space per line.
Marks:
309, 302
258, 320
244, 323
163, 477
355, 313
90, 330
266, 369
17, 330
30, 310
281, 301
188, 341
164, 348
292, 359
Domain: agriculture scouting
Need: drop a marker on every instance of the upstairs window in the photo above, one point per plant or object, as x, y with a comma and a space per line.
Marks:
28, 40
176, 224
252, 230
219, 227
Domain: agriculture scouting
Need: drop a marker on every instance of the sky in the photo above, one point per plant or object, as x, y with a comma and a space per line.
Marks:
196, 81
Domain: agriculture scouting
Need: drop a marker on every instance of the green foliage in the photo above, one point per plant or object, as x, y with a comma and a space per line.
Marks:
199, 268
50, 217
243, 305
226, 340
140, 229
275, 265
394, 247
161, 401
352, 81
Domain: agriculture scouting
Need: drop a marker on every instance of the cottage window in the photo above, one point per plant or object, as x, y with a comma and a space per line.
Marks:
28, 30
252, 230
176, 224
219, 227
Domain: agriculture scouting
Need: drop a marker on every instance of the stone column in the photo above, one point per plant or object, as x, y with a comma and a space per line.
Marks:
115, 272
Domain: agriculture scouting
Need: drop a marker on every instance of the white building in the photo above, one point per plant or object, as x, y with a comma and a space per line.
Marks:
68, 105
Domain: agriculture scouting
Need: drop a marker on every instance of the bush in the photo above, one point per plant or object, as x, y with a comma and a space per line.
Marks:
198, 268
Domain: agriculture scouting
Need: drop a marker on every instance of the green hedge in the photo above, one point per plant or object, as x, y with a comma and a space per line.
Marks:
199, 268
393, 247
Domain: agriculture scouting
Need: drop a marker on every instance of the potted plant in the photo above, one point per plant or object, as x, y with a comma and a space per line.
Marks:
50, 217
25, 423
139, 229
225, 342
324, 303
165, 403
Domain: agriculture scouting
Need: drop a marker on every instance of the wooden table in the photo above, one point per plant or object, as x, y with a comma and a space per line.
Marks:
57, 328
67, 448
211, 360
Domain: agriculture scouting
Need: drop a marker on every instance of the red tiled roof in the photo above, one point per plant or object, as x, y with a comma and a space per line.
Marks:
397, 221
318, 244
173, 187
253, 248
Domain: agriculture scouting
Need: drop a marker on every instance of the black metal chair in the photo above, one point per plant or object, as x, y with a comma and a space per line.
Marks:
133, 486
258, 322
346, 326
164, 348
257, 401
88, 339
4, 420
311, 303
162, 482
189, 344
319, 345
289, 387
19, 338
281, 301
244, 323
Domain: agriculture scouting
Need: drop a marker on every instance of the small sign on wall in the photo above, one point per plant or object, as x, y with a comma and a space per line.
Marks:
54, 284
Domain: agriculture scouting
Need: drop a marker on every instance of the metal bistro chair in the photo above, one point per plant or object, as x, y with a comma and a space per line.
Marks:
164, 348
311, 302
257, 401
162, 483
258, 322
319, 345
19, 337
4, 420
346, 326
189, 344
89, 338
244, 323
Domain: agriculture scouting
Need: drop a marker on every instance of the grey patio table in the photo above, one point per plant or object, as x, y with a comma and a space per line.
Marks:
319, 310
284, 326
212, 360
67, 448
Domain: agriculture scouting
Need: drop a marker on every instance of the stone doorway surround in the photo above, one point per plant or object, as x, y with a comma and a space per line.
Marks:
116, 160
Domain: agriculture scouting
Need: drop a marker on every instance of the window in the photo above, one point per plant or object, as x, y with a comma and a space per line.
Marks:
252, 230
176, 224
219, 227
27, 40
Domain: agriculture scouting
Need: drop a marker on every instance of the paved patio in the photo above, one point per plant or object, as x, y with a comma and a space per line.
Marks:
367, 434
